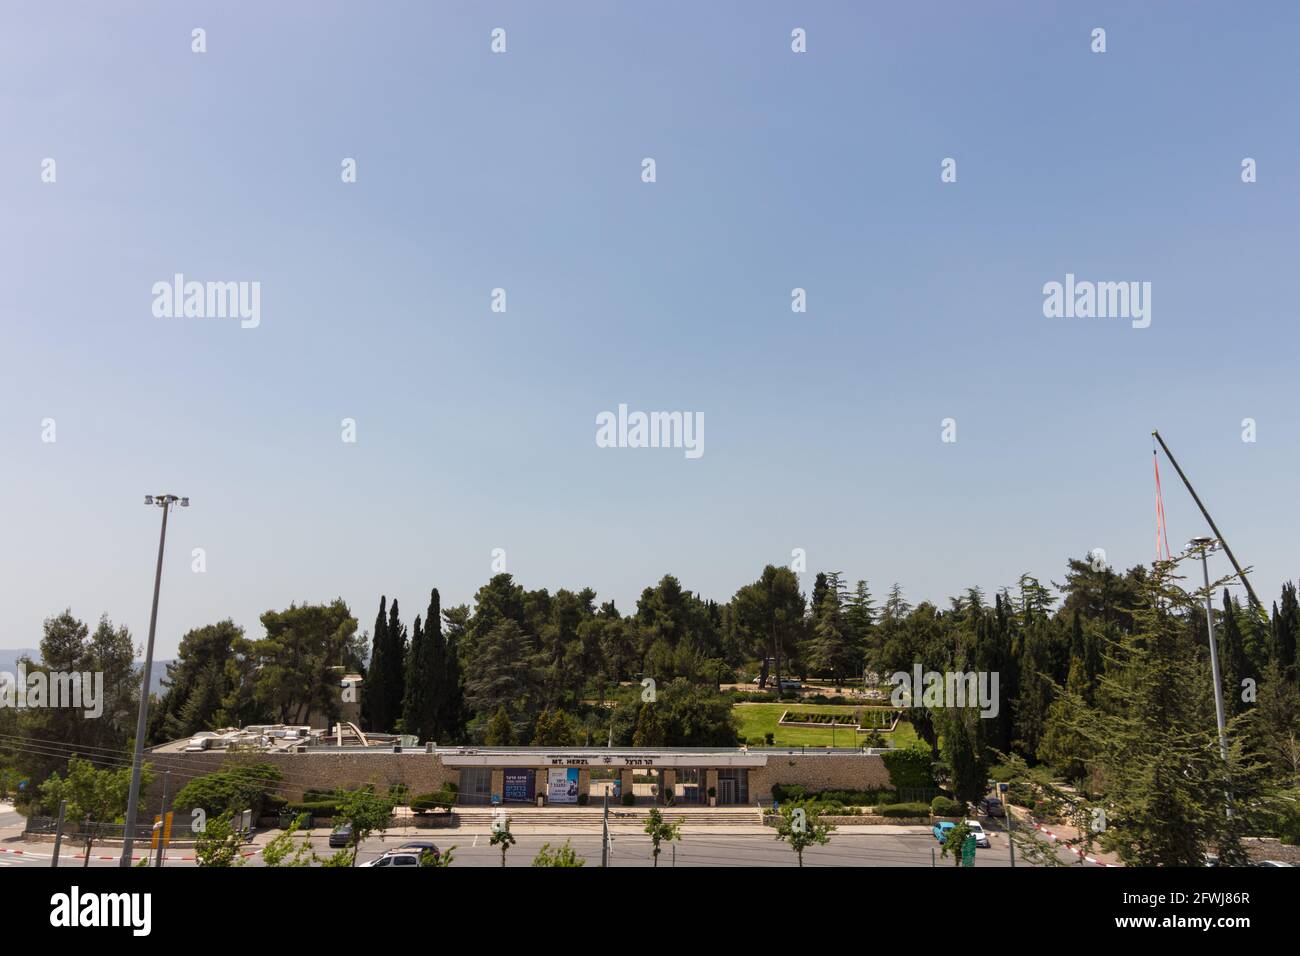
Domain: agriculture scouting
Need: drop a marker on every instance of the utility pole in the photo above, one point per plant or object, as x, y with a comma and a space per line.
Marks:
58, 833
1011, 844
604, 839
1205, 545
162, 819
133, 796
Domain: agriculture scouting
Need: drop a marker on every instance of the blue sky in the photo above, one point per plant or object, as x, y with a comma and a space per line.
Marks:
476, 430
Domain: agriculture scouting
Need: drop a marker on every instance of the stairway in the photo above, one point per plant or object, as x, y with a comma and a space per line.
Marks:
618, 816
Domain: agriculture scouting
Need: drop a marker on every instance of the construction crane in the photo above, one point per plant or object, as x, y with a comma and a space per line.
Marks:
1254, 599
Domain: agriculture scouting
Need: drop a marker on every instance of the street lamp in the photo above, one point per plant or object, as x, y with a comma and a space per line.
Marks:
1205, 545
164, 502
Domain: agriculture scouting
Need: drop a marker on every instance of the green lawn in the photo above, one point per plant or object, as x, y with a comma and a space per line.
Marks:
755, 720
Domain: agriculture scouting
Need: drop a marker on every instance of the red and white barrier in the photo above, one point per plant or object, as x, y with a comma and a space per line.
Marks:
1079, 853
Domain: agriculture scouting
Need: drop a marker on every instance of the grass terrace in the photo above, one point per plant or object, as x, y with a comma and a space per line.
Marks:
757, 720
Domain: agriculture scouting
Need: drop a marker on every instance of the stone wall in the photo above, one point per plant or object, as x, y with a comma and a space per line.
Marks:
818, 772
421, 772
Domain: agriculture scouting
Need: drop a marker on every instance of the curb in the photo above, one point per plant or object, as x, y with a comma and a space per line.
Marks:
1079, 853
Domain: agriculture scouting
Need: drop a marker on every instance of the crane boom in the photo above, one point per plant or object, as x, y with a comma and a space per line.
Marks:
1213, 527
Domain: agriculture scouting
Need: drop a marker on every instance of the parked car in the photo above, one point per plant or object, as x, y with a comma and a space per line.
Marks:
941, 829
1273, 863
993, 807
395, 858
981, 838
340, 836
419, 846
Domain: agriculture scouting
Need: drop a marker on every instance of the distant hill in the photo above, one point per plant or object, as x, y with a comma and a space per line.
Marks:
9, 662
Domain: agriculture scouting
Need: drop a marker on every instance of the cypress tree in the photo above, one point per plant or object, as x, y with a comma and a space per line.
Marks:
394, 668
451, 706
1233, 662
373, 695
431, 673
500, 732
820, 586
413, 700
1286, 622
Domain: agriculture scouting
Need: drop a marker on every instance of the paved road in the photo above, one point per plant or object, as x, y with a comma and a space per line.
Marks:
699, 847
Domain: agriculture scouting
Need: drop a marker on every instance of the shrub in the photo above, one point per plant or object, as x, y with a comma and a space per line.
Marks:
233, 789
752, 697
856, 798
583, 799
272, 804
904, 810
945, 807
317, 808
320, 796
444, 798
910, 768
784, 793
629, 799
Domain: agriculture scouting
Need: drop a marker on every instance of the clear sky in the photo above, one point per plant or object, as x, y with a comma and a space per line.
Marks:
522, 170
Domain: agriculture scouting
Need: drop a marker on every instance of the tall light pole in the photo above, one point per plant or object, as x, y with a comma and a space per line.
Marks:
1205, 545
133, 797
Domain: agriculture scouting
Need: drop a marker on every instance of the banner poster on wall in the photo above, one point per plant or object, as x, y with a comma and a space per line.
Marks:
562, 785
517, 786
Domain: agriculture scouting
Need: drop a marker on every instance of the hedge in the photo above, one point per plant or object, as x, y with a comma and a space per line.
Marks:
910, 768
317, 808
785, 793
753, 697
904, 810
945, 807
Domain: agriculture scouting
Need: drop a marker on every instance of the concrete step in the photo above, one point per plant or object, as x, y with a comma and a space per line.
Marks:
593, 816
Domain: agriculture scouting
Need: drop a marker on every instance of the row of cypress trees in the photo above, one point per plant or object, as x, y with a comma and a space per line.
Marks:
413, 685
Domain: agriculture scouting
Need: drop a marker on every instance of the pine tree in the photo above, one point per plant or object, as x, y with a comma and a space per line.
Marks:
1062, 745
1153, 738
504, 672
831, 649
860, 619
